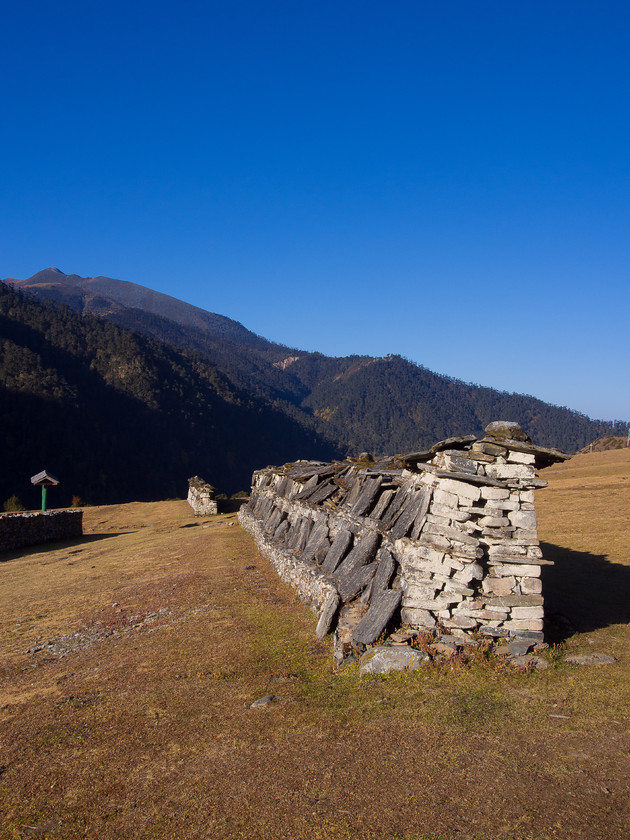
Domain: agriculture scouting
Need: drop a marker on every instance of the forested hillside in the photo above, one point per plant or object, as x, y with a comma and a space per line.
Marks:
300, 400
117, 416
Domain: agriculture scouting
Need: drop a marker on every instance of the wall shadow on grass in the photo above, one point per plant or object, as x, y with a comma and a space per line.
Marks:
54, 545
583, 592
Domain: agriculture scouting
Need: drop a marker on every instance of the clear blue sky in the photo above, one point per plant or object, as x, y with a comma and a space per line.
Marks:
445, 180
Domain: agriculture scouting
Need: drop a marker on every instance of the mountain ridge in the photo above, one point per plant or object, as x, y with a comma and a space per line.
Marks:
381, 404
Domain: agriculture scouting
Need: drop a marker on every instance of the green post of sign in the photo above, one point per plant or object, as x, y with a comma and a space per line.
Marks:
44, 479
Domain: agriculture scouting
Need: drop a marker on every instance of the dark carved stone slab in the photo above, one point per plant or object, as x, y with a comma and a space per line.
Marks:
337, 551
370, 489
417, 504
303, 534
319, 534
284, 486
355, 485
350, 585
282, 530
382, 608
394, 508
471, 479
381, 505
421, 516
386, 567
273, 521
322, 551
362, 554
322, 492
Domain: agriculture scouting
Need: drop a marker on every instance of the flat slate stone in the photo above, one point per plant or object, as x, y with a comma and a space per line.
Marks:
530, 661
382, 660
381, 505
370, 489
590, 659
337, 551
318, 537
382, 608
263, 701
362, 554
323, 491
417, 506
394, 507
471, 479
329, 610
282, 529
350, 585
386, 566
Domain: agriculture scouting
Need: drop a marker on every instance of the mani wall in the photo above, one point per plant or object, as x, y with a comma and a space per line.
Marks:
21, 529
201, 497
443, 540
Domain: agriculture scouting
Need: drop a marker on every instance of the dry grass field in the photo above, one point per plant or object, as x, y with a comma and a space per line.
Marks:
130, 658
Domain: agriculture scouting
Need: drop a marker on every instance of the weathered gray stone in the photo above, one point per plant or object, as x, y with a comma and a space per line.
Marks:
382, 660
531, 586
381, 505
416, 506
525, 519
503, 472
263, 701
417, 617
506, 429
351, 584
529, 661
384, 572
322, 492
318, 537
590, 659
327, 615
379, 614
362, 554
370, 489
515, 601
340, 545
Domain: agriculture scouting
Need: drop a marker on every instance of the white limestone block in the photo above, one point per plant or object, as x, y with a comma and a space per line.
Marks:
521, 457
518, 569
503, 472
527, 612
494, 493
467, 492
531, 586
525, 519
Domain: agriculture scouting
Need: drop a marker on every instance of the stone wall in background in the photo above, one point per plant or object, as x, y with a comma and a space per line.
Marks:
201, 497
440, 541
21, 529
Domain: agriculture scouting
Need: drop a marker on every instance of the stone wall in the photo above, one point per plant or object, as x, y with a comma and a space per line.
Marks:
21, 529
439, 540
201, 497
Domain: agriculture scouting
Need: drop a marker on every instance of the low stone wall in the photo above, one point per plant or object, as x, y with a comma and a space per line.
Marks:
444, 539
21, 529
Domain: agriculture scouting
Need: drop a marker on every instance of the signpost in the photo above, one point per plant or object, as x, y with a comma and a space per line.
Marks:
45, 480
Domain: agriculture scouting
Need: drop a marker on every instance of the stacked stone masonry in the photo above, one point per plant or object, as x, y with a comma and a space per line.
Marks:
201, 497
444, 539
21, 529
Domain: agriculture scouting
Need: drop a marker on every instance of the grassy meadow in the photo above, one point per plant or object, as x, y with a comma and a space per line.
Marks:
129, 661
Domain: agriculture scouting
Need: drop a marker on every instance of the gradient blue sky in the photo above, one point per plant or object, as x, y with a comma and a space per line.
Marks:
445, 180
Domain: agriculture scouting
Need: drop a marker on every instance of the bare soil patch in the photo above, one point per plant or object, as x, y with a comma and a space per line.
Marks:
130, 659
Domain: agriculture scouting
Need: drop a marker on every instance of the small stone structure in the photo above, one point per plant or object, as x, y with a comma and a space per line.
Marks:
201, 497
438, 540
21, 529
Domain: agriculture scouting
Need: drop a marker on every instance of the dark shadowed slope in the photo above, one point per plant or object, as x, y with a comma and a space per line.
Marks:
381, 404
